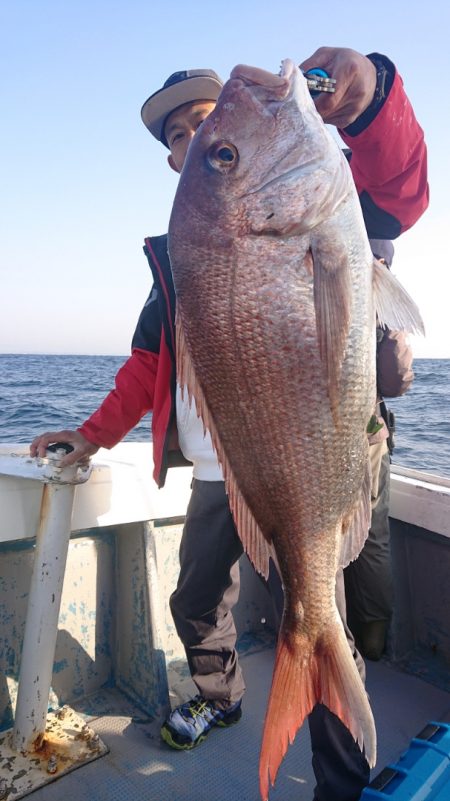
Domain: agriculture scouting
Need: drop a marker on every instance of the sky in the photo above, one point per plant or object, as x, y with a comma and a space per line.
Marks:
83, 182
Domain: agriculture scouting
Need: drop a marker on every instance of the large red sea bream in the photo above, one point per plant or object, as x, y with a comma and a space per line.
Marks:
277, 293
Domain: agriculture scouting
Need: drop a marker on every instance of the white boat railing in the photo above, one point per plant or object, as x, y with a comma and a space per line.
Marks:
44, 600
44, 503
420, 499
120, 491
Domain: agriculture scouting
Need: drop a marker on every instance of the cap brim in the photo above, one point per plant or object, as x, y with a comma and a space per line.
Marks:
156, 109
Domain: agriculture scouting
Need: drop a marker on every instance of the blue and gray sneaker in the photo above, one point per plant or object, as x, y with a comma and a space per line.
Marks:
189, 723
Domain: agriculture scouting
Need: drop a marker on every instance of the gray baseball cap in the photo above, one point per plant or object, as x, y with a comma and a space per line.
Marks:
181, 87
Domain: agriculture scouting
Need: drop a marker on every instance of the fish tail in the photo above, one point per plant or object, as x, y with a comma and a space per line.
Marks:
292, 697
305, 674
342, 689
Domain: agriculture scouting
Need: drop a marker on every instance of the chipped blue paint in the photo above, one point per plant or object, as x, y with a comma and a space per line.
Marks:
83, 629
59, 666
105, 636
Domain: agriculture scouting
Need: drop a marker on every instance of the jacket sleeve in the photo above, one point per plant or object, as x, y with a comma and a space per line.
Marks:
394, 363
134, 390
125, 405
389, 165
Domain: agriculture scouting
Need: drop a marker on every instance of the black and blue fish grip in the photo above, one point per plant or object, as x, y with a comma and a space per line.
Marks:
319, 81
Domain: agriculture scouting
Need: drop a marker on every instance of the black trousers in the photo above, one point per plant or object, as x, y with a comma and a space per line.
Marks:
207, 590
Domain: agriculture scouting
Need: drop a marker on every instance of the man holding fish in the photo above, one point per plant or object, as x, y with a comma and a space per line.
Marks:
262, 179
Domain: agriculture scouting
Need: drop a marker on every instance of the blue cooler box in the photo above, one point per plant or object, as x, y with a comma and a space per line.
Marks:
422, 772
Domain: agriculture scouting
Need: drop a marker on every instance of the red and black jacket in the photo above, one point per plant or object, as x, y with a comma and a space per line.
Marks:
389, 166
147, 380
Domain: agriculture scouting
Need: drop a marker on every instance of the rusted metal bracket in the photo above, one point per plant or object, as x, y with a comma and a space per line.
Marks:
67, 744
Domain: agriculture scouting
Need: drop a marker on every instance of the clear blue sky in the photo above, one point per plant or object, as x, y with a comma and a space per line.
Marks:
83, 181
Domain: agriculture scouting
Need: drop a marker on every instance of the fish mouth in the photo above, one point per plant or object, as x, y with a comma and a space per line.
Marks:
279, 88
287, 69
278, 85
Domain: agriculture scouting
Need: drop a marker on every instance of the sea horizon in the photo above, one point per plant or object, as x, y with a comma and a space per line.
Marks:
54, 391
125, 355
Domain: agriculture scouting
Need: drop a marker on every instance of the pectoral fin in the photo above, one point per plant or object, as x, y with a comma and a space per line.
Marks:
332, 299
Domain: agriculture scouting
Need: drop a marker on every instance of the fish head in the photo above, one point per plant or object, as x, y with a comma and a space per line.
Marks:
262, 162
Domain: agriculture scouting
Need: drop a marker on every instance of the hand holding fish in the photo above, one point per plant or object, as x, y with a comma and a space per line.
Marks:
355, 77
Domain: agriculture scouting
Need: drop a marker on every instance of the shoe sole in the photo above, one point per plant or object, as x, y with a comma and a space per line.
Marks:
167, 737
224, 724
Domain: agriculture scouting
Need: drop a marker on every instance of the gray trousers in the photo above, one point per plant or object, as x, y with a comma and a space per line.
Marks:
207, 590
368, 580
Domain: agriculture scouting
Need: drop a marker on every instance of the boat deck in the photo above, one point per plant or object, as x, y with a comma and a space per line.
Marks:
115, 625
225, 768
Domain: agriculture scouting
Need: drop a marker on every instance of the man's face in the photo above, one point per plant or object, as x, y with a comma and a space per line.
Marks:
181, 126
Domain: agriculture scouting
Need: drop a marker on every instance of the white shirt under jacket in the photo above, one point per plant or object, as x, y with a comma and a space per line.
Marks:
194, 443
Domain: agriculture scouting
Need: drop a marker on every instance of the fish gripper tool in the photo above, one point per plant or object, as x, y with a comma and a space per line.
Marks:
319, 81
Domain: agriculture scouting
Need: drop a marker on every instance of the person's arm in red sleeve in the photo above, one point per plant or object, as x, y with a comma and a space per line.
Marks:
121, 410
376, 120
125, 405
389, 163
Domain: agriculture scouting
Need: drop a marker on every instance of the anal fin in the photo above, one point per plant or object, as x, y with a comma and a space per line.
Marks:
356, 527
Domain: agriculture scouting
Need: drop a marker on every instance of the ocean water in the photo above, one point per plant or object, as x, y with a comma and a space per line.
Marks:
50, 393
46, 393
422, 419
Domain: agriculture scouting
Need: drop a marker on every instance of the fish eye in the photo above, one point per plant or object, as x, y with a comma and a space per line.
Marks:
223, 156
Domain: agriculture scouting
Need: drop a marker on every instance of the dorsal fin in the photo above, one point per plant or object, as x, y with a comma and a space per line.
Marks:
395, 308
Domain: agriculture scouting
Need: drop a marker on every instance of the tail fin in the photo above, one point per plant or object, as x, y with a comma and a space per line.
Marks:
307, 673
